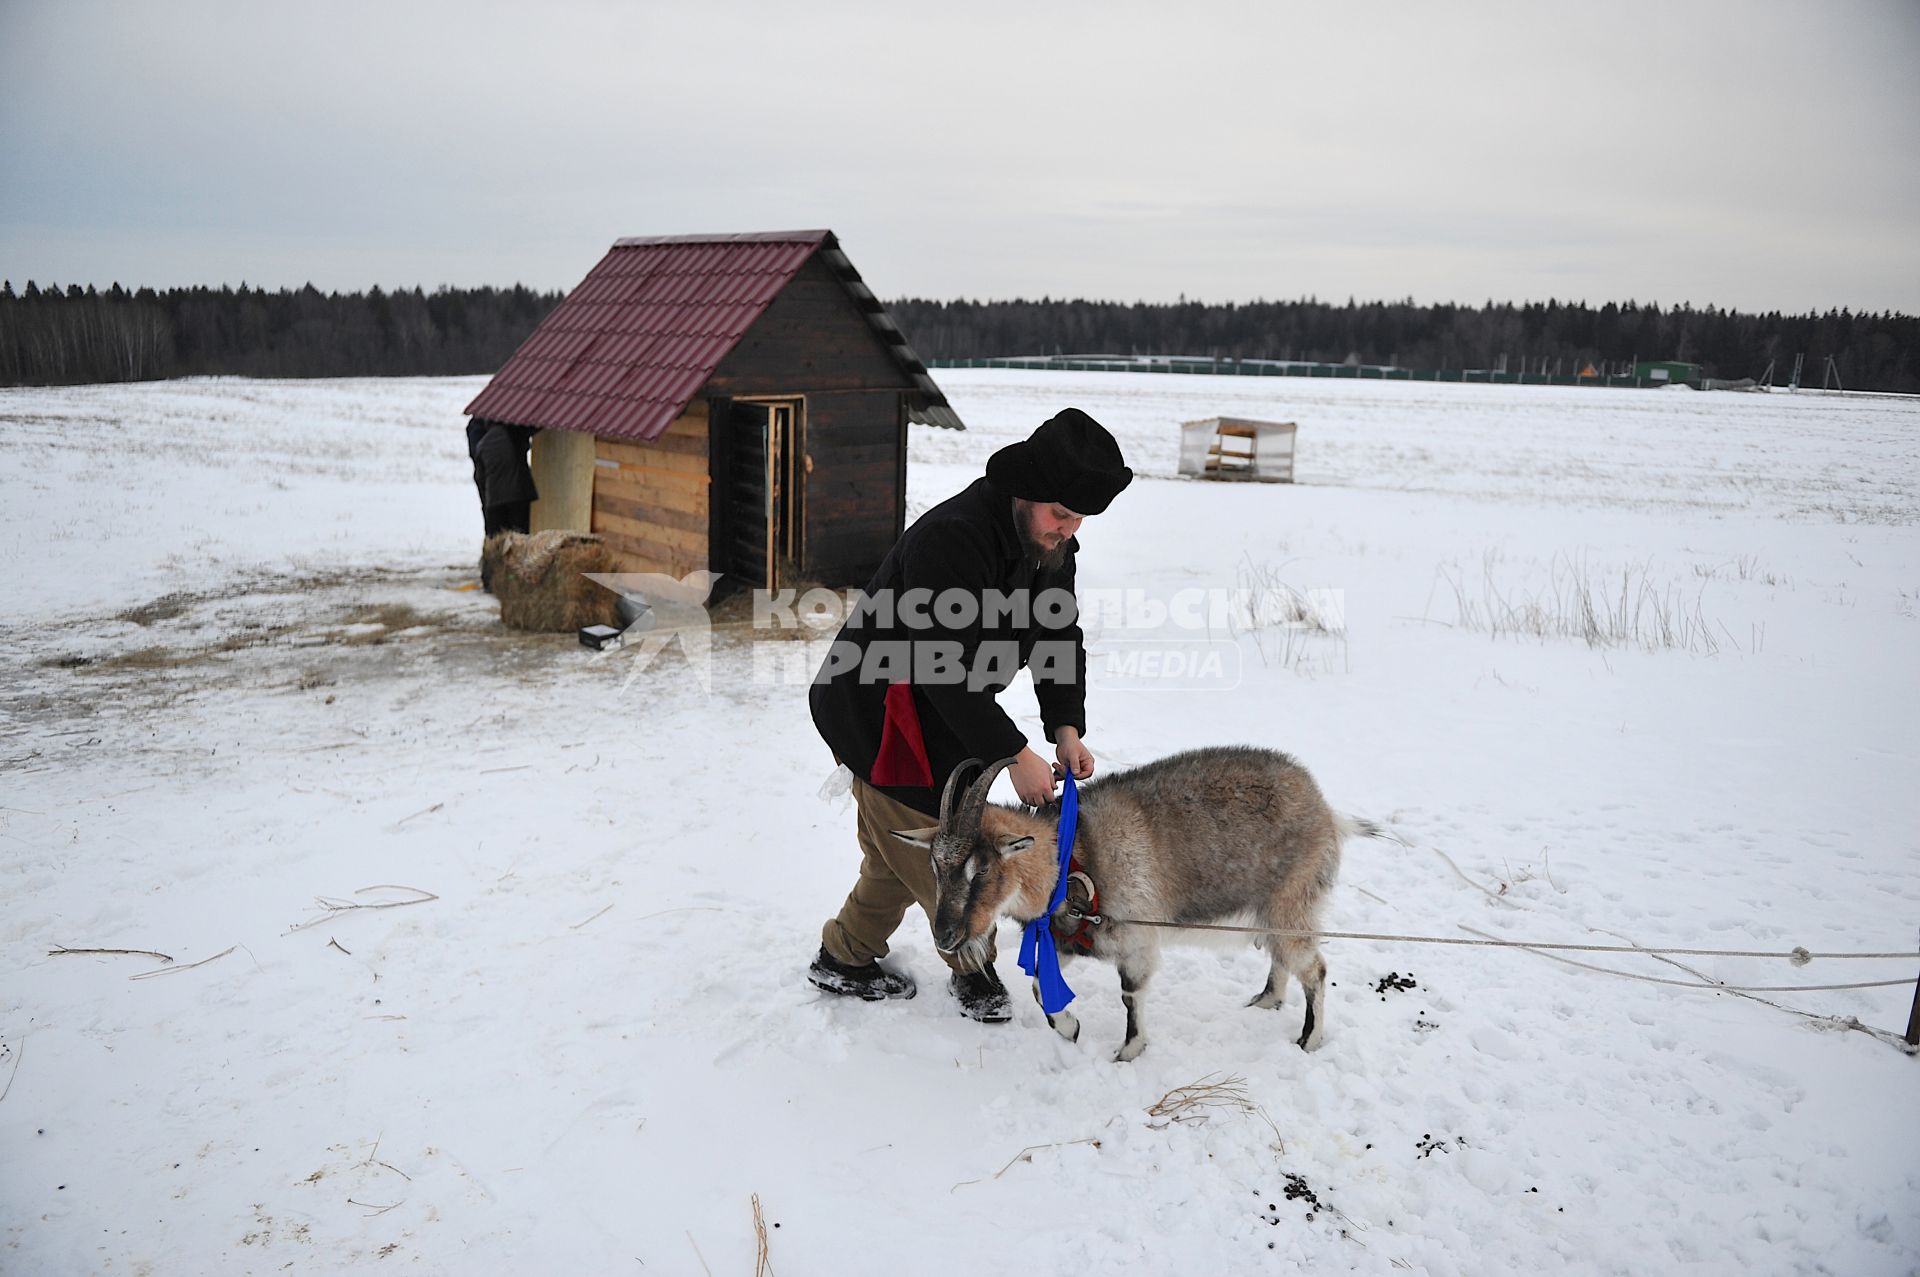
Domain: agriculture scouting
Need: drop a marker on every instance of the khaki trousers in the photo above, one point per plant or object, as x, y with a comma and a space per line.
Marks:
893, 875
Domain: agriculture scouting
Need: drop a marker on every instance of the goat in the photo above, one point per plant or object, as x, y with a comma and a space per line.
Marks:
1231, 835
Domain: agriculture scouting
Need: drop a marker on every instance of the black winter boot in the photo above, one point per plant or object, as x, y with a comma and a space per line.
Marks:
870, 983
982, 996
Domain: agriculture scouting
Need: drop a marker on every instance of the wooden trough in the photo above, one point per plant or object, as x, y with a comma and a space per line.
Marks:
1238, 448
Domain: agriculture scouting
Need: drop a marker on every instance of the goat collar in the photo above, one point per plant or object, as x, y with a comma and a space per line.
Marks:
1073, 927
1039, 957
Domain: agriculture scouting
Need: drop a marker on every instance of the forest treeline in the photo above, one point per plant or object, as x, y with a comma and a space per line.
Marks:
1870, 351
54, 336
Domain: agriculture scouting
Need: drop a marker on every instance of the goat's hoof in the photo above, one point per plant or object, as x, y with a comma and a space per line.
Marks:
1129, 1051
1067, 1026
1263, 1001
1308, 1042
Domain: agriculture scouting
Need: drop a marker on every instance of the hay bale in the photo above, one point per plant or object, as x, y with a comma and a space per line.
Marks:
540, 580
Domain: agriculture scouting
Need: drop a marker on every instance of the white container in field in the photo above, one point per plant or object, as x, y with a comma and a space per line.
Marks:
1238, 448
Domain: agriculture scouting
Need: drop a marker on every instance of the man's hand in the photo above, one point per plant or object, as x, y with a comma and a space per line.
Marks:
1073, 755
1032, 778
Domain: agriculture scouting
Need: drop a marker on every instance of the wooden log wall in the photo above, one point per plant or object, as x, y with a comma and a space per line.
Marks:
856, 499
815, 341
650, 500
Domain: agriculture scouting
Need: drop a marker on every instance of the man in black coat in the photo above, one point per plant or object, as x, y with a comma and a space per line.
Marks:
978, 588
500, 472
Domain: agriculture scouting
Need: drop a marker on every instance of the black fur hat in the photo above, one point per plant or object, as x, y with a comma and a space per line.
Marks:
1070, 459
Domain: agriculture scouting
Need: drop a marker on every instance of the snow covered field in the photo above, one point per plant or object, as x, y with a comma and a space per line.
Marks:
242, 674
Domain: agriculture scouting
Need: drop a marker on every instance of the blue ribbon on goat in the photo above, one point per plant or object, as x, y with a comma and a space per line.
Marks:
1039, 956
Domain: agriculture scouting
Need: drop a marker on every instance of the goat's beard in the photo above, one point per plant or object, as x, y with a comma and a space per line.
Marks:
1041, 555
972, 956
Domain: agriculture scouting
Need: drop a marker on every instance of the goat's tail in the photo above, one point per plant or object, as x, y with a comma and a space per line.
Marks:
1355, 827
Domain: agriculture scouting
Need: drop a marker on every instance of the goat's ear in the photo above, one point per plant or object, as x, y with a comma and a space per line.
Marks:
1014, 846
918, 837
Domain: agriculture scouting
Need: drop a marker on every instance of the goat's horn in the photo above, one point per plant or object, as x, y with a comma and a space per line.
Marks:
956, 784
976, 800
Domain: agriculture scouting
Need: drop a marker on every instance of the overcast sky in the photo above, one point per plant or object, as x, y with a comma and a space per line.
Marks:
1751, 154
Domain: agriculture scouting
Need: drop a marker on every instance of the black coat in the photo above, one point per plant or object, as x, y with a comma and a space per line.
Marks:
967, 543
499, 454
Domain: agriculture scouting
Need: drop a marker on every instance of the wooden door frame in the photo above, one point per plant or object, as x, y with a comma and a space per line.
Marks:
787, 535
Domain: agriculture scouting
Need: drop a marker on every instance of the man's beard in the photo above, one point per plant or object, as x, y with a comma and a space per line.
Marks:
1040, 554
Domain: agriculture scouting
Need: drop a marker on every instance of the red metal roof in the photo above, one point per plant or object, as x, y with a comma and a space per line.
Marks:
633, 343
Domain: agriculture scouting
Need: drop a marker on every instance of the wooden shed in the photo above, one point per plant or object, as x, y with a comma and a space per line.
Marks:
737, 403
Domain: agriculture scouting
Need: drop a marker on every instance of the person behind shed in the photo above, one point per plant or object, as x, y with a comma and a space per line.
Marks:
986, 576
500, 472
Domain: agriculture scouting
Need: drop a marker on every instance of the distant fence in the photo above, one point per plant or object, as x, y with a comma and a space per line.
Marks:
1289, 368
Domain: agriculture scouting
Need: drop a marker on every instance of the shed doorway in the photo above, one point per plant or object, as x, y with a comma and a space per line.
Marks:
766, 491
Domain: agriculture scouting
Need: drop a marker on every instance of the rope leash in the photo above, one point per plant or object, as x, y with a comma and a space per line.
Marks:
1798, 956
1706, 981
